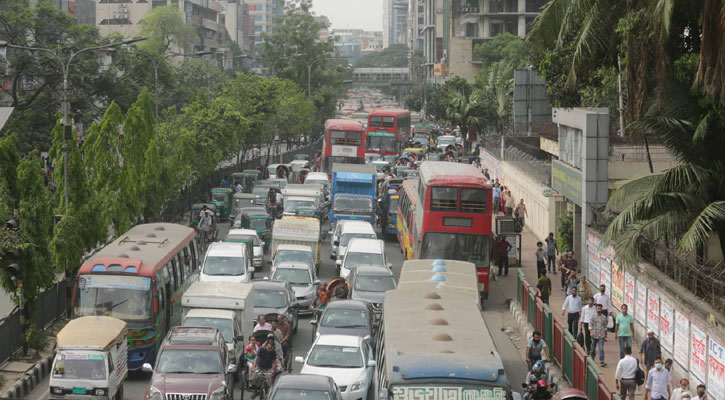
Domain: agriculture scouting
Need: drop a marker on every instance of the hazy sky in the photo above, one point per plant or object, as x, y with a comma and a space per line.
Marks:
351, 14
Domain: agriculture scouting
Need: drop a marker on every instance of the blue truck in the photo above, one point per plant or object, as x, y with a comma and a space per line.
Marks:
353, 193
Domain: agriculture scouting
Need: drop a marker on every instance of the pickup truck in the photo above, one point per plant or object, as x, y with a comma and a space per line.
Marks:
353, 193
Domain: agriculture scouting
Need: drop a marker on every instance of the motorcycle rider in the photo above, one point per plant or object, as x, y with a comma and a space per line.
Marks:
542, 391
537, 373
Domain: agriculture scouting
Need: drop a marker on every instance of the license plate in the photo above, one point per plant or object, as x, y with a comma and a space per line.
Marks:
79, 390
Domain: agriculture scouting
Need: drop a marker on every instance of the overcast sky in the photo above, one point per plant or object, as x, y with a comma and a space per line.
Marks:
352, 14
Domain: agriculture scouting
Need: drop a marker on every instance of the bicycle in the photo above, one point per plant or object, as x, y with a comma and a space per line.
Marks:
204, 239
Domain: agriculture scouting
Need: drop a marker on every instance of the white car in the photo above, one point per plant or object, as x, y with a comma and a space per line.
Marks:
352, 230
362, 251
226, 262
257, 244
335, 237
445, 140
348, 360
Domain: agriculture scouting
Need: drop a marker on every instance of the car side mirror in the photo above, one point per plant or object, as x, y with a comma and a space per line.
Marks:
338, 263
317, 282
313, 322
300, 360
146, 367
389, 265
336, 242
231, 369
371, 363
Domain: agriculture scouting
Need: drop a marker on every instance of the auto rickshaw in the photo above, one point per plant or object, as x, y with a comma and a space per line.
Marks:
256, 172
257, 218
398, 170
194, 217
246, 179
222, 198
390, 159
241, 200
334, 283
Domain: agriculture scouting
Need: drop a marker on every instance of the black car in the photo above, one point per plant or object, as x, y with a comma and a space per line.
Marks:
304, 386
345, 317
275, 297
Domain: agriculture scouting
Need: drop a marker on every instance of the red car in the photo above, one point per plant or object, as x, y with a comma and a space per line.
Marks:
192, 363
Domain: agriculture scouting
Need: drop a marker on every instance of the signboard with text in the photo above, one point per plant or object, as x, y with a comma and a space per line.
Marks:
716, 370
629, 291
605, 275
593, 262
698, 352
640, 309
653, 312
667, 325
682, 340
617, 286
344, 151
567, 180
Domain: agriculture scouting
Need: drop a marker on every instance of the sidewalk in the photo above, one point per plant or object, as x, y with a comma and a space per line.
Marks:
528, 266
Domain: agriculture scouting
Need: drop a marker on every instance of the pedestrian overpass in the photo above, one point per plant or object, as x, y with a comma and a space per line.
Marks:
381, 76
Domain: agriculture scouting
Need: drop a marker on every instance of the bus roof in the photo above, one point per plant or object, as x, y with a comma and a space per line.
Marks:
388, 112
447, 173
143, 246
343, 124
454, 274
452, 344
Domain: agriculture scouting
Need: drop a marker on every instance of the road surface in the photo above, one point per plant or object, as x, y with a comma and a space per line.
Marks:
496, 313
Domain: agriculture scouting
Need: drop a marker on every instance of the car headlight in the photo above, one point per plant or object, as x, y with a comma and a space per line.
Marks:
99, 392
155, 394
56, 390
359, 385
218, 394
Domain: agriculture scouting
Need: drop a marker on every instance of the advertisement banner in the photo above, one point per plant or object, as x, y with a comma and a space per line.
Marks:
716, 370
617, 286
344, 151
667, 325
698, 353
640, 309
629, 292
593, 263
682, 342
605, 268
653, 312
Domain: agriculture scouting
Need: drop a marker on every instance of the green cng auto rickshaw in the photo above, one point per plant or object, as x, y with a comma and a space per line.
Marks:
258, 219
222, 198
246, 179
255, 172
194, 217
241, 200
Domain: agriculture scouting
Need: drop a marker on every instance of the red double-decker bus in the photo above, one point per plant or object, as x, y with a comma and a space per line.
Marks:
344, 144
395, 121
452, 216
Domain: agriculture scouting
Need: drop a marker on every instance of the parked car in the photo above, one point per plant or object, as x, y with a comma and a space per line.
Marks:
344, 317
192, 363
361, 251
348, 360
305, 386
275, 297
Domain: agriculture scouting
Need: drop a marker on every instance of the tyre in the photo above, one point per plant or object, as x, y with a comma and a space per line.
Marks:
119, 393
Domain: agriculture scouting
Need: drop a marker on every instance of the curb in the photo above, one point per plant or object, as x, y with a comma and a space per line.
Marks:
527, 331
32, 379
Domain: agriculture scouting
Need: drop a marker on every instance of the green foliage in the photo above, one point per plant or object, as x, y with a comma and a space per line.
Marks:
507, 48
565, 231
36, 339
165, 29
394, 56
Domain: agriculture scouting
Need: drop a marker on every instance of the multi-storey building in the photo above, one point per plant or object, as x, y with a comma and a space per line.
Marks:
350, 43
238, 23
416, 22
453, 28
324, 34
395, 22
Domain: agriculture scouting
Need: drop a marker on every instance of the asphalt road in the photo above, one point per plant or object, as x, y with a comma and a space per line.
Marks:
496, 314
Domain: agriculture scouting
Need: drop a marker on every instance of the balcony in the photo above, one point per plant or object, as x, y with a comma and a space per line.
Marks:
469, 10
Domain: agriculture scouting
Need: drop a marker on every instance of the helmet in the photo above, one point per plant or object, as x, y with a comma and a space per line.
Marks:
323, 284
536, 369
541, 363
541, 384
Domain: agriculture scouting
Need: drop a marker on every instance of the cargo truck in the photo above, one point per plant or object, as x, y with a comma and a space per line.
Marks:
353, 193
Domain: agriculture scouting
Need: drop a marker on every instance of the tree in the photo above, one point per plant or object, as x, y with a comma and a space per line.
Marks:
165, 29
506, 48
394, 56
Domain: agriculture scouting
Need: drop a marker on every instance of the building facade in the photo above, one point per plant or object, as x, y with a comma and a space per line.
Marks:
395, 22
416, 22
324, 34
352, 43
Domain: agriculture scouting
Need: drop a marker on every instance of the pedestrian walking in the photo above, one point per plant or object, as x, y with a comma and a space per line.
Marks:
534, 348
510, 203
573, 307
521, 214
540, 259
603, 298
677, 393
597, 329
551, 251
658, 382
588, 311
562, 268
650, 350
623, 328
496, 197
502, 252
543, 288
626, 373
572, 282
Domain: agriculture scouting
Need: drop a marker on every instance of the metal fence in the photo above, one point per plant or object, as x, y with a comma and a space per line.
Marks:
536, 168
522, 152
50, 305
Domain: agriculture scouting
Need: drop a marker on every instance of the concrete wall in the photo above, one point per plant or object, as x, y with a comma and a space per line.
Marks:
626, 162
541, 219
461, 57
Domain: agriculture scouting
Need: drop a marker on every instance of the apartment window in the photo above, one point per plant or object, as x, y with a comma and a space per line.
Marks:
259, 7
258, 28
116, 21
258, 17
496, 28
471, 29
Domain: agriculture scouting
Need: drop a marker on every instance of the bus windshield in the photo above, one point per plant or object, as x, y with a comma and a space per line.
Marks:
123, 297
354, 204
393, 205
380, 143
456, 246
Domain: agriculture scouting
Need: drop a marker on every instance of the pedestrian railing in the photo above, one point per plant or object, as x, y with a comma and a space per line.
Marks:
577, 367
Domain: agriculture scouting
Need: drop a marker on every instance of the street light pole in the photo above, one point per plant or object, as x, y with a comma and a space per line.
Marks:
65, 104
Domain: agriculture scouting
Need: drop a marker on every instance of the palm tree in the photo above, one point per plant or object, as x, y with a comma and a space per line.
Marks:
463, 110
684, 205
499, 88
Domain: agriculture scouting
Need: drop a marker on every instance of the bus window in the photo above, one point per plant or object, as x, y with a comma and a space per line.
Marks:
337, 137
444, 199
194, 260
388, 122
182, 267
354, 138
473, 200
376, 122
172, 275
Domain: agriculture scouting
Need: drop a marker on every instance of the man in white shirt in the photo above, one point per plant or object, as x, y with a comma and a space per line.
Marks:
625, 374
658, 382
572, 304
603, 299
588, 311
684, 388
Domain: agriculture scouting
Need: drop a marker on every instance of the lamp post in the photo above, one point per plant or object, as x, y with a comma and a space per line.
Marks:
65, 104
155, 62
